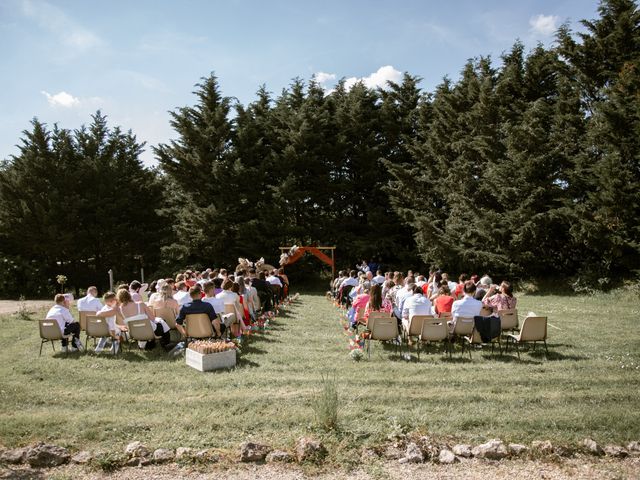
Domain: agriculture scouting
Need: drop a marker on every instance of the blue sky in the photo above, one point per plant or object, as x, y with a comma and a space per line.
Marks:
136, 60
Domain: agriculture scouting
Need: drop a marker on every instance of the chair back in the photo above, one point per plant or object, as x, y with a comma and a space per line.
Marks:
446, 315
533, 329
508, 319
97, 327
373, 316
167, 314
49, 329
83, 319
141, 330
464, 326
198, 325
434, 330
485, 311
385, 328
415, 324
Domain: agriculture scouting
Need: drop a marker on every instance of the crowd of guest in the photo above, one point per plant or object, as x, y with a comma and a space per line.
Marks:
231, 300
404, 296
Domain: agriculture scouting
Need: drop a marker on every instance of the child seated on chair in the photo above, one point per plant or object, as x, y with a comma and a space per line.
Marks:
110, 303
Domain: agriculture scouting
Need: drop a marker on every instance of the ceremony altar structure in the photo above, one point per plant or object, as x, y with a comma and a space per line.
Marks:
295, 253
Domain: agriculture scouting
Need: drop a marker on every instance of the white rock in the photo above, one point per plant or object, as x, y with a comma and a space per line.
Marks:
136, 449
462, 450
447, 456
492, 450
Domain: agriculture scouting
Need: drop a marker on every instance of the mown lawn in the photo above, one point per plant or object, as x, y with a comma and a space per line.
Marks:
588, 387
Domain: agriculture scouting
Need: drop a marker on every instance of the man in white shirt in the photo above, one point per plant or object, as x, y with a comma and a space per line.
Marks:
467, 306
416, 304
68, 325
182, 295
379, 278
273, 280
90, 303
401, 296
351, 280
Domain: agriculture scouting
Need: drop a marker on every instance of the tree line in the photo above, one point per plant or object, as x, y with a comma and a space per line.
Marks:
527, 167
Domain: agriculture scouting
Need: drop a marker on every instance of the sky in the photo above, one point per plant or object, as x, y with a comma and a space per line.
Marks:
137, 60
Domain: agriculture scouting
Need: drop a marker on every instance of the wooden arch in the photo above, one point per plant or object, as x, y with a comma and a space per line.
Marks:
317, 251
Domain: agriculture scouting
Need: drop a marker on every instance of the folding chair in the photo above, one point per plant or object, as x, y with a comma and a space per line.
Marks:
50, 332
413, 326
198, 325
485, 311
434, 330
83, 319
534, 329
508, 319
141, 330
167, 314
382, 328
96, 328
475, 339
463, 326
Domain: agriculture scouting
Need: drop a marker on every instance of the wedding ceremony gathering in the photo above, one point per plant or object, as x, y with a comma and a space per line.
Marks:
351, 240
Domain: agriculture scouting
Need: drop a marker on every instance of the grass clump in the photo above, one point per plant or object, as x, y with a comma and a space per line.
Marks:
326, 404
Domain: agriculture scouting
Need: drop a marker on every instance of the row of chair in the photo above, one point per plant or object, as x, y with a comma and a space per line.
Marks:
430, 329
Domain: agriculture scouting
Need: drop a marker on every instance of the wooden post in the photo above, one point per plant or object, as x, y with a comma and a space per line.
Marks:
333, 265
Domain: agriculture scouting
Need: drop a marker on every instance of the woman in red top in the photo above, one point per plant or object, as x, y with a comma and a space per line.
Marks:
444, 300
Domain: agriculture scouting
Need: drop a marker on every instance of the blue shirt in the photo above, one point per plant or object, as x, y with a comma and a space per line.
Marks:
196, 306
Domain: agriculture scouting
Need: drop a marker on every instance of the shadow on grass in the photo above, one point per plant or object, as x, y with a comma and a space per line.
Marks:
246, 363
28, 474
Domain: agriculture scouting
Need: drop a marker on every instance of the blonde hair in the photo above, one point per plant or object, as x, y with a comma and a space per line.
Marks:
166, 292
123, 296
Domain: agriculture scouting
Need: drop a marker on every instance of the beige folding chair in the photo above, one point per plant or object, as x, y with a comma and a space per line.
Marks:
83, 319
198, 325
508, 319
446, 316
96, 328
382, 329
463, 326
360, 317
434, 330
476, 339
485, 311
141, 330
534, 329
167, 314
413, 328
50, 332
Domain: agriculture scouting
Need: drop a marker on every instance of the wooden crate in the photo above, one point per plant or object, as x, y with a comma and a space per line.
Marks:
210, 361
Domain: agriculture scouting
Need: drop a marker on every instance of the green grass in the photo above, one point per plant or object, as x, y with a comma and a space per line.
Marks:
588, 387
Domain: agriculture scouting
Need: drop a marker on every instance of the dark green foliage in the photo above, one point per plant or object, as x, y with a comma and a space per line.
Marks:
77, 203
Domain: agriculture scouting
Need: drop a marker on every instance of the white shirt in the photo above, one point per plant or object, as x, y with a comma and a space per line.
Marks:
349, 281
62, 315
231, 298
255, 299
89, 304
216, 303
467, 306
182, 297
110, 320
273, 280
379, 279
452, 287
416, 304
401, 296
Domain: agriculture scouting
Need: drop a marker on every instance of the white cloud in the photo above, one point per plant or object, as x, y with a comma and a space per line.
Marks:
323, 77
377, 79
62, 99
51, 18
544, 24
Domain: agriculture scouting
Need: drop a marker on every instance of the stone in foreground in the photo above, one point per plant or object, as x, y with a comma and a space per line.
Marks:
137, 449
447, 456
163, 455
310, 450
82, 458
517, 449
592, 447
279, 456
253, 452
492, 450
413, 454
43, 455
462, 450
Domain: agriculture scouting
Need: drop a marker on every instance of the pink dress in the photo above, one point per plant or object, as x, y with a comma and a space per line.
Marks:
501, 302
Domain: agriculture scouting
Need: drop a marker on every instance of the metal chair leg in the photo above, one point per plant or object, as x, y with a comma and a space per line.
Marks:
546, 349
517, 349
41, 343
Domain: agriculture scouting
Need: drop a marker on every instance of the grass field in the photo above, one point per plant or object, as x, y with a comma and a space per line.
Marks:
588, 387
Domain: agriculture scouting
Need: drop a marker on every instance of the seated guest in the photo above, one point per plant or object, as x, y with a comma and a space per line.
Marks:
273, 279
482, 288
136, 289
452, 285
223, 275
416, 304
196, 305
398, 284
253, 298
229, 297
360, 302
467, 306
376, 303
110, 304
444, 300
238, 289
351, 280
459, 291
503, 300
157, 291
262, 287
90, 302
182, 294
165, 300
379, 278
402, 295
131, 311
387, 286
210, 297
68, 325
335, 283
204, 278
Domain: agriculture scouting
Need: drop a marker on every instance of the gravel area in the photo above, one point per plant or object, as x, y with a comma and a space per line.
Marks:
12, 306
570, 469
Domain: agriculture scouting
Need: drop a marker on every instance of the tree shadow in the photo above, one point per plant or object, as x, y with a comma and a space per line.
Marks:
244, 363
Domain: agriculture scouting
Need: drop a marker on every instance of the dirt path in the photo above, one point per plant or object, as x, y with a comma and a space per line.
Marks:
569, 469
11, 306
